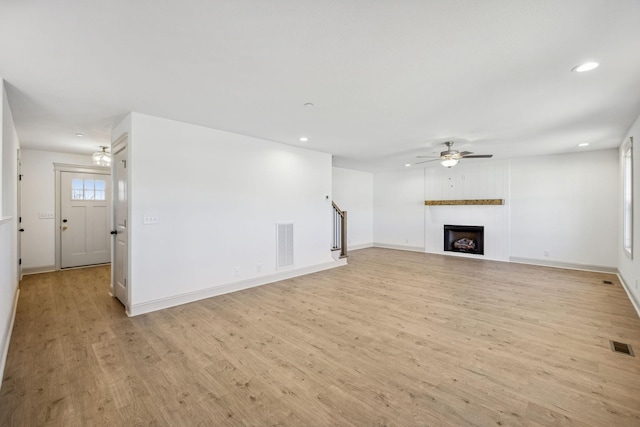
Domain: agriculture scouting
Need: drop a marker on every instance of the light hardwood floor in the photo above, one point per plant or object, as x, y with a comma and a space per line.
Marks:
394, 338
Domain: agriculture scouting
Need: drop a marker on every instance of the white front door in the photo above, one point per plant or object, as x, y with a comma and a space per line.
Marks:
84, 225
120, 205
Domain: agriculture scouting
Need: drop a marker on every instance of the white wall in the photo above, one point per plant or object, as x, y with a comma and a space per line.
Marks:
8, 226
469, 180
353, 192
218, 196
38, 195
567, 205
629, 268
398, 209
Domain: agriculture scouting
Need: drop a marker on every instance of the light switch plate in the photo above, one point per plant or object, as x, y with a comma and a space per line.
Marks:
150, 219
46, 215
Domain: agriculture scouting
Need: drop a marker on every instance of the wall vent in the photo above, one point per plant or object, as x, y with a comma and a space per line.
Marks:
607, 282
285, 244
620, 347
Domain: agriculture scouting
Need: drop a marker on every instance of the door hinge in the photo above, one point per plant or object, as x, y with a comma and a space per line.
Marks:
19, 219
125, 282
20, 177
124, 163
20, 261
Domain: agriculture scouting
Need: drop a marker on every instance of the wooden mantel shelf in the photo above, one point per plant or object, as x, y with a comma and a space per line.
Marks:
464, 202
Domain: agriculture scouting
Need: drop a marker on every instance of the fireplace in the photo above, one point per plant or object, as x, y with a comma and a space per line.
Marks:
468, 239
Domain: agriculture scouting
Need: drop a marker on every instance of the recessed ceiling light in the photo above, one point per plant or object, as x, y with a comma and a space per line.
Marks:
406, 165
308, 104
587, 66
583, 144
303, 139
79, 135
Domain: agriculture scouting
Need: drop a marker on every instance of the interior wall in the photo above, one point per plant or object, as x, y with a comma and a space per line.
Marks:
38, 196
469, 180
629, 268
9, 146
398, 209
353, 192
218, 197
564, 208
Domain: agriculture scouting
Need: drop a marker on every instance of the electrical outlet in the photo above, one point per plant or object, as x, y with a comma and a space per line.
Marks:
236, 271
150, 219
546, 252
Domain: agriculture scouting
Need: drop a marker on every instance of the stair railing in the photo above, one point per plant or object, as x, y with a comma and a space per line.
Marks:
339, 231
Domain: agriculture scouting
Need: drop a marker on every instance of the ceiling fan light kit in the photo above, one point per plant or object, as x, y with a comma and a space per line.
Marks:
450, 157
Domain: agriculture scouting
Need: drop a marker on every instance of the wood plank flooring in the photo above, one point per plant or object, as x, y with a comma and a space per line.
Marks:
393, 339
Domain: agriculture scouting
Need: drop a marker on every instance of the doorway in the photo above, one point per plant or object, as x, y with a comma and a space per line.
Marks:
83, 195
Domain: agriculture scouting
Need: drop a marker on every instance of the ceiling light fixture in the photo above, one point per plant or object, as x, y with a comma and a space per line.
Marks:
583, 144
79, 135
304, 139
102, 158
308, 104
406, 165
587, 66
447, 163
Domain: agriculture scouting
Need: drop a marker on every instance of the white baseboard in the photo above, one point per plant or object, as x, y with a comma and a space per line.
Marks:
7, 336
36, 270
360, 246
162, 303
567, 265
626, 288
398, 247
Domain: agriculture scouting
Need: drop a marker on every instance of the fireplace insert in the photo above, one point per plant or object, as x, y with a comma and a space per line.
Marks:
464, 238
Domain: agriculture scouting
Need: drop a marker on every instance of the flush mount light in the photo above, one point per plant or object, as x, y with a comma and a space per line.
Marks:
79, 135
303, 139
308, 104
587, 66
583, 144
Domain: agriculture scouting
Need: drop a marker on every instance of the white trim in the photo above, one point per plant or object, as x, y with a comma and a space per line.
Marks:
566, 265
162, 303
360, 246
398, 247
7, 337
626, 288
66, 167
5, 219
36, 270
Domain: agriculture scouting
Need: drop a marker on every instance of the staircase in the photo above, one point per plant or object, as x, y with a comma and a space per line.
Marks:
339, 231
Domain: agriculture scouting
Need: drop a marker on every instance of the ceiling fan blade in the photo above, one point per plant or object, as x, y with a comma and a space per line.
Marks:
465, 153
428, 157
479, 156
427, 161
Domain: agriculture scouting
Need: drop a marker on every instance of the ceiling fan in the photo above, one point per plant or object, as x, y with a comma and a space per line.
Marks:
450, 157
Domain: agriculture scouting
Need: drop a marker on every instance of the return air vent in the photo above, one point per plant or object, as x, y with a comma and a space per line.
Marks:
607, 282
285, 244
620, 347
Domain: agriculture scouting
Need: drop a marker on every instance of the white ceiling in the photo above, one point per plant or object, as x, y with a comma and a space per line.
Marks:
389, 79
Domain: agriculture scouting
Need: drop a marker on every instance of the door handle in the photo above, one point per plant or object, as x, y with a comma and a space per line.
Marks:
21, 230
64, 227
114, 232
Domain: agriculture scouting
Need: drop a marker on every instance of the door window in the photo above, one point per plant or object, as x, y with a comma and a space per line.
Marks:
88, 189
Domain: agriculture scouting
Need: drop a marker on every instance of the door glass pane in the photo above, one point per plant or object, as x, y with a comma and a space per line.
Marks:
89, 189
77, 192
100, 189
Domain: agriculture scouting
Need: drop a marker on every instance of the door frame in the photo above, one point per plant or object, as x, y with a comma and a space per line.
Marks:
119, 144
64, 167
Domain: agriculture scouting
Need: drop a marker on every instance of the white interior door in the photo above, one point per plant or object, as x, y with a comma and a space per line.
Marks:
85, 219
120, 204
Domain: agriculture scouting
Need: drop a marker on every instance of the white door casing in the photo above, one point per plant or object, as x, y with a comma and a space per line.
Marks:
119, 266
84, 219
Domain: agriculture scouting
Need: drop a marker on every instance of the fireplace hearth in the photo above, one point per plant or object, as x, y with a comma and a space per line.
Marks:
467, 239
